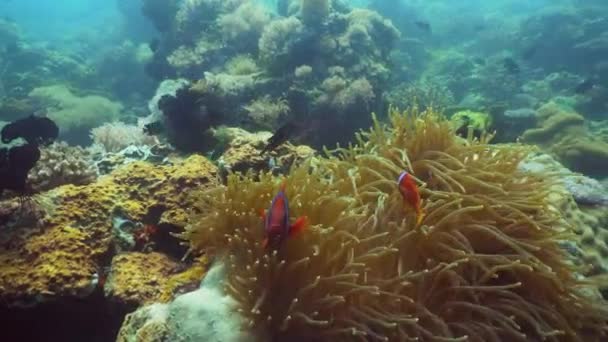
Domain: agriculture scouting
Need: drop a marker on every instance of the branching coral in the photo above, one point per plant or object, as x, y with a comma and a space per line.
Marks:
61, 164
485, 265
115, 136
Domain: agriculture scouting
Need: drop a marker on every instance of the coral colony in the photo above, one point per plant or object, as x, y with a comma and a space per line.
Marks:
304, 170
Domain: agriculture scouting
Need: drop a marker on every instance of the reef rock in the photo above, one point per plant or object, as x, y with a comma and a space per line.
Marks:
144, 278
62, 255
244, 153
584, 190
563, 133
206, 314
584, 204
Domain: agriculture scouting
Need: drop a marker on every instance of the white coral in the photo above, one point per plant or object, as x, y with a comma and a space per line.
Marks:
115, 136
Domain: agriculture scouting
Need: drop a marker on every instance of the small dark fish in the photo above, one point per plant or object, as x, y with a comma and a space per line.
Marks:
584, 86
511, 66
23, 157
15, 165
33, 129
154, 128
529, 52
479, 61
424, 26
479, 27
281, 135
154, 44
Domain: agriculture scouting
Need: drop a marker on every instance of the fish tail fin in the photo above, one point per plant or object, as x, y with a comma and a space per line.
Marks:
419, 219
262, 213
283, 185
419, 215
298, 226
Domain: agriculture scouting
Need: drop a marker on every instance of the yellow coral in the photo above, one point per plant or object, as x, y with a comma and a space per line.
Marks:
62, 257
485, 265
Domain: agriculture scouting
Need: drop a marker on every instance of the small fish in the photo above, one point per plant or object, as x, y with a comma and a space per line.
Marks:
529, 52
424, 26
281, 135
276, 221
584, 86
154, 44
411, 195
511, 66
15, 164
479, 61
33, 129
153, 128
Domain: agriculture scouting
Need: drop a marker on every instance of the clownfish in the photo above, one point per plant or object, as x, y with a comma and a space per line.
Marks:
276, 221
411, 195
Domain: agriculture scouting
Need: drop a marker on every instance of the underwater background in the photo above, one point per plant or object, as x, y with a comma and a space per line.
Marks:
303, 170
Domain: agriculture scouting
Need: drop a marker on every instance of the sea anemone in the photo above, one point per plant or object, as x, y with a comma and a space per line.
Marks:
484, 265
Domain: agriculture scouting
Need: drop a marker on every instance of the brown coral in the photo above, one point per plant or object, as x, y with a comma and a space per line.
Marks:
484, 266
563, 133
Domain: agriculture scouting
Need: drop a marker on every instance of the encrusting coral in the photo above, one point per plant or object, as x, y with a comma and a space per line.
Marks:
484, 265
63, 255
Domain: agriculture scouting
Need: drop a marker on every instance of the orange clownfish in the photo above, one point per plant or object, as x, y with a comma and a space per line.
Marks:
410, 193
276, 221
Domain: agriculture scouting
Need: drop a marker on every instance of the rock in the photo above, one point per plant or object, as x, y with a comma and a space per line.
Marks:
243, 153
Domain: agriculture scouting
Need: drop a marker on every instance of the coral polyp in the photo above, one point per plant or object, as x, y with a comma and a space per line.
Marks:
485, 265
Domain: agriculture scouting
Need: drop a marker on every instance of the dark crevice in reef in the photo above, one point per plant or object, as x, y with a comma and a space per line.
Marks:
91, 319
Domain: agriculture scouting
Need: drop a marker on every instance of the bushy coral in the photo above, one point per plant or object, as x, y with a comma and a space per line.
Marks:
242, 65
278, 38
115, 136
266, 111
246, 23
314, 12
342, 95
62, 164
485, 264
422, 94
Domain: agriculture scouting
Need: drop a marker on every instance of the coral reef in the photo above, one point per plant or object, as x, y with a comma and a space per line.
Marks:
63, 255
75, 113
322, 57
206, 314
584, 206
266, 112
243, 153
470, 122
116, 136
563, 133
62, 164
486, 262
144, 278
